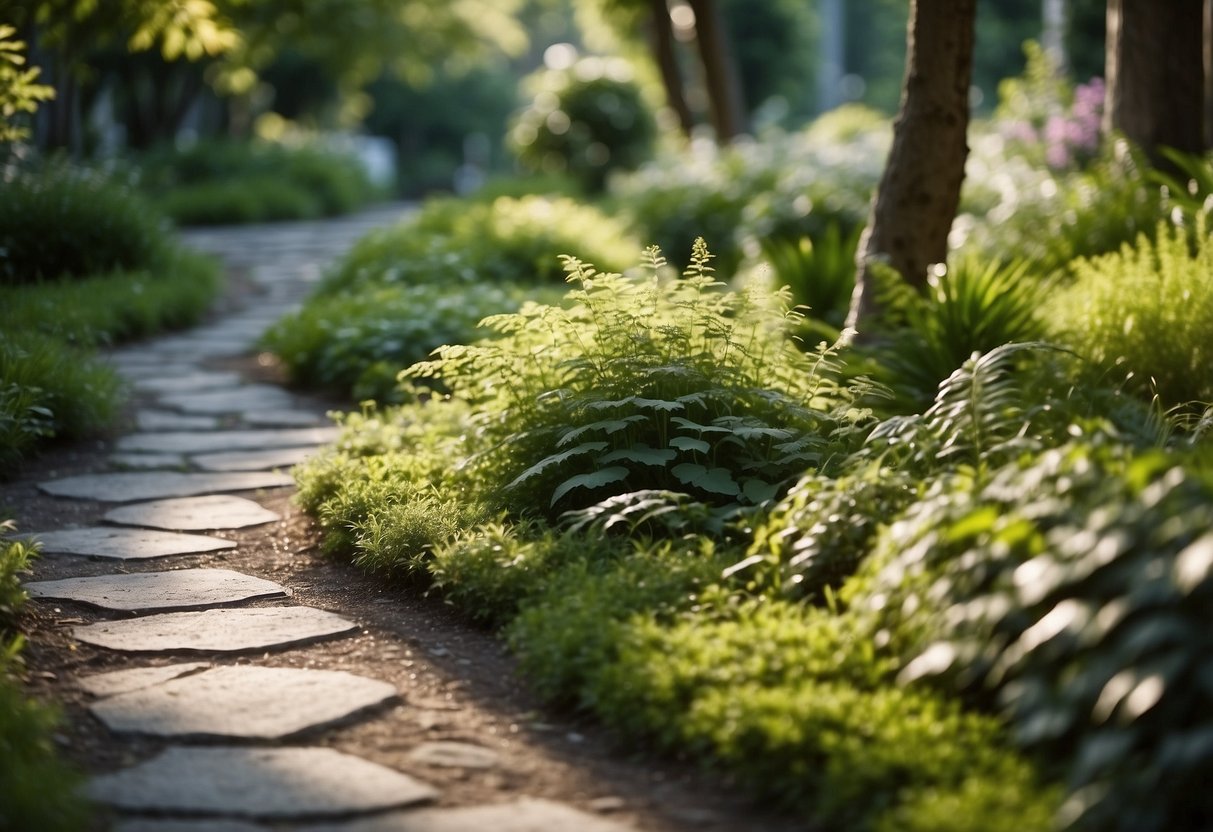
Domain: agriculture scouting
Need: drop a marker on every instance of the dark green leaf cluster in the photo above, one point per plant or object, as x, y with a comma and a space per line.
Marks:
1077, 587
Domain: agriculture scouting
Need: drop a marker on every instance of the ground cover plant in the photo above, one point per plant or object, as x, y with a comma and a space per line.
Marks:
222, 182
86, 263
40, 791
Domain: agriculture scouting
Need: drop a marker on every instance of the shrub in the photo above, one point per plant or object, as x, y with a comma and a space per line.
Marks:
60, 221
357, 343
503, 241
1145, 313
112, 307
220, 181
1076, 586
819, 271
586, 120
646, 385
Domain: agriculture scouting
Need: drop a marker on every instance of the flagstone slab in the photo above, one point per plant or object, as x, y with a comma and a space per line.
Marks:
126, 544
285, 418
217, 631
196, 381
137, 678
157, 420
525, 815
127, 486
235, 400
169, 825
254, 460
210, 511
269, 783
181, 589
147, 462
189, 442
243, 702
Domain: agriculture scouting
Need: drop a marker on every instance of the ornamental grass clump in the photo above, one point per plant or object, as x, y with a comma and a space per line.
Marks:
1145, 314
647, 385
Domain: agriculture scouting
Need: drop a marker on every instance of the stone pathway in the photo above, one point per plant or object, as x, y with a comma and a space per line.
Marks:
202, 433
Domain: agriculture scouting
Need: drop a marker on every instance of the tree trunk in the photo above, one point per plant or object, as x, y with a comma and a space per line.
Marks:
719, 70
667, 62
1208, 65
916, 201
1155, 79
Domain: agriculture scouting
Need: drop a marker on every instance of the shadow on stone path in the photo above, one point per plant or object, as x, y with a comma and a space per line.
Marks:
241, 745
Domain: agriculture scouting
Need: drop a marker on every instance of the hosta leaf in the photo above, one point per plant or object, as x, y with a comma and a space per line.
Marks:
688, 443
715, 480
594, 479
555, 459
642, 454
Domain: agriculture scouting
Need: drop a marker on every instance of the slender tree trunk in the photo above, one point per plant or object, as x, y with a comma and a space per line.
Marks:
720, 72
1154, 66
667, 62
916, 201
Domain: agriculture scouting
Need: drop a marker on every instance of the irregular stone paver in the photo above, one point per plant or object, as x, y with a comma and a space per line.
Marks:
282, 783
248, 397
193, 382
285, 418
241, 702
217, 631
254, 460
166, 825
195, 347
226, 440
123, 681
449, 754
526, 815
125, 486
147, 462
154, 420
126, 544
211, 511
181, 589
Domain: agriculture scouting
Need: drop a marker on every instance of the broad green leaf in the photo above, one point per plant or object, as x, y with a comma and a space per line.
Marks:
687, 443
695, 426
642, 454
594, 479
759, 491
715, 480
607, 426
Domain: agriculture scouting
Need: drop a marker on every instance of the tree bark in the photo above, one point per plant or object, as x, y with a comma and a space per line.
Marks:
1155, 78
916, 200
663, 52
720, 72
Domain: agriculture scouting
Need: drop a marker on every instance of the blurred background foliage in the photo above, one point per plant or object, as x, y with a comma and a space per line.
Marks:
431, 88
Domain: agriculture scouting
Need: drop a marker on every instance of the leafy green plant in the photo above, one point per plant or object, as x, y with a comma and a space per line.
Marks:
820, 273
218, 181
40, 790
645, 384
61, 221
506, 240
1071, 590
358, 343
49, 389
969, 308
586, 120
1145, 313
